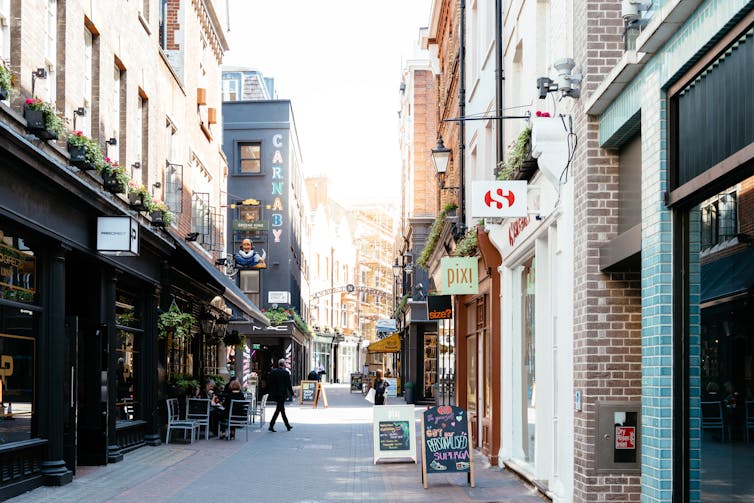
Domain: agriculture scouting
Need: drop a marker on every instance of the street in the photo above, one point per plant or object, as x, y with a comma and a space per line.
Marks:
327, 457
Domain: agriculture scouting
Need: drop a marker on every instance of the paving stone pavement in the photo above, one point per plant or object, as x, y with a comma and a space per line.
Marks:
327, 457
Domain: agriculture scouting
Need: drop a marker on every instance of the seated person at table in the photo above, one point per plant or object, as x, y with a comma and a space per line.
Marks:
235, 394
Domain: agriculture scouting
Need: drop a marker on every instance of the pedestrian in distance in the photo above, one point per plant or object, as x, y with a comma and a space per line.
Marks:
279, 385
380, 386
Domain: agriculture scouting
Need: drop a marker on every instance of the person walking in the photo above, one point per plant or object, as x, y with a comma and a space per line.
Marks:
380, 386
279, 385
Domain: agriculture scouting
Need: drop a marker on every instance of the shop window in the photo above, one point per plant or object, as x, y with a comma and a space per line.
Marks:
250, 157
17, 270
528, 366
17, 374
128, 372
719, 219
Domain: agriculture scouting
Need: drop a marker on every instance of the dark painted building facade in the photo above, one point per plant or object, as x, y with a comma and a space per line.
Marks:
267, 204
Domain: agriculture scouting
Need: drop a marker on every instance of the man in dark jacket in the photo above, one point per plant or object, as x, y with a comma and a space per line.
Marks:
279, 385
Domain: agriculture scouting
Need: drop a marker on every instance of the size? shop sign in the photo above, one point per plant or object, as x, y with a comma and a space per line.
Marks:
460, 275
498, 199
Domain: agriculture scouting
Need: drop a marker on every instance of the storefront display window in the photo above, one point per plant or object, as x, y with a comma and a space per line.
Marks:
528, 364
128, 321
720, 324
18, 360
18, 278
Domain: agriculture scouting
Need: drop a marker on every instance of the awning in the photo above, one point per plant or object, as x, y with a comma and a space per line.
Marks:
231, 292
391, 344
727, 277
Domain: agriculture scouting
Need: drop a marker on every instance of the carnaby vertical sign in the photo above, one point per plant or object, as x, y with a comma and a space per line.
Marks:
459, 275
278, 187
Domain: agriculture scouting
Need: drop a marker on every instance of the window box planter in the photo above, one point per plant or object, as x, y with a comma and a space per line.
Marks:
157, 219
78, 157
35, 123
136, 201
112, 183
3, 94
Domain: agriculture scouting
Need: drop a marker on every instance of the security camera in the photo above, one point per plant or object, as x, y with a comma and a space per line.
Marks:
630, 9
544, 84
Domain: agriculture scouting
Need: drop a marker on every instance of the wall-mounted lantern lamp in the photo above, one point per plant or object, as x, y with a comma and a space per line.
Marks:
192, 236
440, 156
39, 73
207, 322
136, 165
78, 112
112, 141
221, 325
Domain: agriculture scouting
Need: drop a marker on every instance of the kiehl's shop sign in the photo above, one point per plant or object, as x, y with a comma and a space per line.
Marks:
439, 307
459, 275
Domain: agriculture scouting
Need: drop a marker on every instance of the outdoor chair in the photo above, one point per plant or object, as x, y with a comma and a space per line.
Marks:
176, 423
258, 411
712, 418
749, 417
238, 417
197, 409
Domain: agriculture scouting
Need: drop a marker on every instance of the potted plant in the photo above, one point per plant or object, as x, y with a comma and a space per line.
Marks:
6, 81
85, 153
176, 324
139, 197
42, 120
160, 214
114, 177
520, 164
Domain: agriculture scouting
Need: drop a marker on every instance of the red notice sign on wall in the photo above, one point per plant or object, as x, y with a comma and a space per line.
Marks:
625, 437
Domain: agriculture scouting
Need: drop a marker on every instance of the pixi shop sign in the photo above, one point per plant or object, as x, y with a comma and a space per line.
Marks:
459, 276
117, 236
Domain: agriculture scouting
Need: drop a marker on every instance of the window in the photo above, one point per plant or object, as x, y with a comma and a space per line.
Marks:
250, 157
719, 219
5, 30
136, 166
201, 216
112, 153
84, 124
51, 37
128, 323
249, 283
163, 24
230, 89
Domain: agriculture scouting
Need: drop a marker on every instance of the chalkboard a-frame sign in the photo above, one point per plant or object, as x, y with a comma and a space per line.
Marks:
446, 442
308, 390
394, 432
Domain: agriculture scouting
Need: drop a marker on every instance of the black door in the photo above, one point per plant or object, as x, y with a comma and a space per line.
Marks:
70, 361
92, 395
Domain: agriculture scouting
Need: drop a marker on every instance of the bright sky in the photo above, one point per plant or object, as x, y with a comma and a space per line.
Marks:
339, 62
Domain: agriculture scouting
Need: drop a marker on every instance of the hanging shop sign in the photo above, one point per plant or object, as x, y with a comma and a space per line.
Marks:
117, 236
459, 275
251, 226
439, 307
498, 199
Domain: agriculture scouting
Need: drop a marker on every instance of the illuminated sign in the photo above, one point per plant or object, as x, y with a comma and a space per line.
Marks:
117, 236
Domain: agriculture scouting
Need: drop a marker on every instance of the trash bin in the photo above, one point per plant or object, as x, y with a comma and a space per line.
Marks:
408, 392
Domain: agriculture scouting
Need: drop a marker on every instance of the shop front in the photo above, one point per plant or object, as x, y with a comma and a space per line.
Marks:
536, 306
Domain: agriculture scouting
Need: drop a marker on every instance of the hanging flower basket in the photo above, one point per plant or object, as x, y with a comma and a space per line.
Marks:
136, 201
160, 214
139, 197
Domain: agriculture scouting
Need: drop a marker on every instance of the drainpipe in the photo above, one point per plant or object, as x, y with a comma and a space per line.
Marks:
499, 79
462, 113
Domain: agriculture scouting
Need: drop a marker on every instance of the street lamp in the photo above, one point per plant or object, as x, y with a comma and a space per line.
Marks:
221, 324
440, 156
397, 268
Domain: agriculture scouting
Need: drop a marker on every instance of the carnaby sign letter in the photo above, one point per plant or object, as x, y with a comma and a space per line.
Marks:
459, 275
498, 199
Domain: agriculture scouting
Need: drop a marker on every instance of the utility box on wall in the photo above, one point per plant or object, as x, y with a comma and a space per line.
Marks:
618, 442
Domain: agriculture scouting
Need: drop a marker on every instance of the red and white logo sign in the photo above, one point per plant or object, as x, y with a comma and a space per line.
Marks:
498, 199
625, 437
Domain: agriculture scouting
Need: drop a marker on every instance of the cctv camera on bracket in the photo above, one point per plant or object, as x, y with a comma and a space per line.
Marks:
631, 9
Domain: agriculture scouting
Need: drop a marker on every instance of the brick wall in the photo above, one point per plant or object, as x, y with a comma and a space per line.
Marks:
607, 306
425, 127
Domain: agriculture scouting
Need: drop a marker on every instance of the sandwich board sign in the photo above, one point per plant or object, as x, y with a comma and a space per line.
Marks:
394, 432
446, 440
